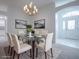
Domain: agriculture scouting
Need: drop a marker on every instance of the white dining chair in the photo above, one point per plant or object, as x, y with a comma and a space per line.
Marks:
11, 44
19, 48
41, 32
46, 46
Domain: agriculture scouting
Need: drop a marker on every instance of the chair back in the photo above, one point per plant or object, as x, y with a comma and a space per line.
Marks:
41, 31
48, 43
44, 32
16, 42
21, 32
10, 39
37, 32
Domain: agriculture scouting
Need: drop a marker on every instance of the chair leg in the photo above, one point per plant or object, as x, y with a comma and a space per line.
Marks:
18, 56
8, 49
36, 52
11, 51
45, 55
13, 54
30, 53
51, 52
28, 42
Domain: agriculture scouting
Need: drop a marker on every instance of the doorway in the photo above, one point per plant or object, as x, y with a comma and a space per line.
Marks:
67, 26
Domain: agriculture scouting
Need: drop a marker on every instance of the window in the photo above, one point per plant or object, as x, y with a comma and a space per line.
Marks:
2, 22
3, 27
72, 13
64, 26
71, 25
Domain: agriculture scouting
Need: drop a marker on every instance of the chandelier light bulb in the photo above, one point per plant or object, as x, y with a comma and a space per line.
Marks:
34, 7
30, 5
25, 7
27, 10
36, 10
33, 12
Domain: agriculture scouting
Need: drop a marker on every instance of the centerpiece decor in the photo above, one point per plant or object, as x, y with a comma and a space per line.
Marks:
29, 30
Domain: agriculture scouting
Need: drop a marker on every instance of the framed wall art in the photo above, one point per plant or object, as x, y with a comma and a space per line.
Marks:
20, 24
39, 24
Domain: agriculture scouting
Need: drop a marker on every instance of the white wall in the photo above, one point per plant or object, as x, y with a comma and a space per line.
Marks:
18, 13
47, 12
15, 12
12, 12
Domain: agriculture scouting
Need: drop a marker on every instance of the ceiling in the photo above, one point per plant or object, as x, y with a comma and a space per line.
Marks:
39, 3
4, 4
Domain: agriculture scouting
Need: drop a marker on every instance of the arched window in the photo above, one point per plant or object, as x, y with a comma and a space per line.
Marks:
72, 13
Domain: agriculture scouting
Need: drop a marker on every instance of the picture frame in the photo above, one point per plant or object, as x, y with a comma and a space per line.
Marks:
39, 24
20, 24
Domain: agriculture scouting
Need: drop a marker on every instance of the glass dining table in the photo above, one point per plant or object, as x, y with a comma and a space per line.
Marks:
32, 39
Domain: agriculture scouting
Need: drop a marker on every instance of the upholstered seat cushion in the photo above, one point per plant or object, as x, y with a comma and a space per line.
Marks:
41, 45
23, 48
47, 45
43, 39
18, 47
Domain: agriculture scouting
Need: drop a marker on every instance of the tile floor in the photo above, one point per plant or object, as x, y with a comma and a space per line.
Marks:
68, 42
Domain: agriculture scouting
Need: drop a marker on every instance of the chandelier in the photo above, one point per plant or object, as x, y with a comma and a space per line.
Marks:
30, 9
